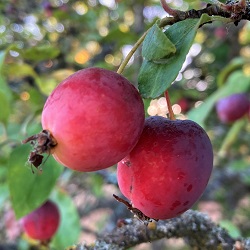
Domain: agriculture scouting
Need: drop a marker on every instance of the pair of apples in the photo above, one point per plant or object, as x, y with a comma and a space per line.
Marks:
95, 118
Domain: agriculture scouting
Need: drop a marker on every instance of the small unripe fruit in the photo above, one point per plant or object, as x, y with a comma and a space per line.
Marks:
232, 108
168, 169
91, 121
42, 223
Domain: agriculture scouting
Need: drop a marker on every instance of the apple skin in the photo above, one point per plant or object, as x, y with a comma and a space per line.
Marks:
42, 223
96, 116
232, 108
168, 169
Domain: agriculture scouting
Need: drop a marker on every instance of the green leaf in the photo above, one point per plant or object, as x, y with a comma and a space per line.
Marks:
47, 84
4, 194
40, 53
116, 32
232, 229
156, 76
235, 64
5, 92
96, 185
241, 166
231, 136
22, 70
69, 229
5, 104
3, 84
157, 45
237, 82
27, 190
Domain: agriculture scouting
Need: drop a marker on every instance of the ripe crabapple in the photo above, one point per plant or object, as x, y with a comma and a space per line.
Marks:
232, 108
42, 223
168, 169
91, 120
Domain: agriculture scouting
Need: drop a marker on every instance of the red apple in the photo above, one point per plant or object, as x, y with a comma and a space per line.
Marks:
42, 223
168, 169
91, 120
232, 108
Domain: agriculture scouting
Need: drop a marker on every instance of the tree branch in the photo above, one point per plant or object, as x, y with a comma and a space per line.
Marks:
198, 230
234, 10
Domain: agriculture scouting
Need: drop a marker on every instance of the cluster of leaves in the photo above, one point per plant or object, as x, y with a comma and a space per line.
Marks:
33, 63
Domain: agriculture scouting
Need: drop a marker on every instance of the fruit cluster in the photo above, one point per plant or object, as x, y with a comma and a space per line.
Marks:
95, 119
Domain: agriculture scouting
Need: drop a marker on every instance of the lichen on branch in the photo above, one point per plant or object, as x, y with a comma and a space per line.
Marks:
195, 227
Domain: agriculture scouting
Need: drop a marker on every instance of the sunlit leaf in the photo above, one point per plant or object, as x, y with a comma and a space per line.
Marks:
47, 84
20, 70
61, 74
69, 229
27, 190
157, 45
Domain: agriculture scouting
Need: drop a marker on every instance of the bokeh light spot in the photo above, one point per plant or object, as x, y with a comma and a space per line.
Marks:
24, 96
80, 8
82, 56
109, 59
123, 28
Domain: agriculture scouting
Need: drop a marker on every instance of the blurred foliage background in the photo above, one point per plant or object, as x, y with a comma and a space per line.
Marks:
43, 42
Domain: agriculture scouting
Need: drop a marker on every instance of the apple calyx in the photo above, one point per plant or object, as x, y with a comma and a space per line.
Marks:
42, 142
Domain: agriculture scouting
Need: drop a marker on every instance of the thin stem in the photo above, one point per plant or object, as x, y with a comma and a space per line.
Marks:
169, 10
132, 51
170, 110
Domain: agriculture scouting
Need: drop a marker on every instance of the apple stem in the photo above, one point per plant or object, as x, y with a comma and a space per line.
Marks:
132, 51
170, 110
